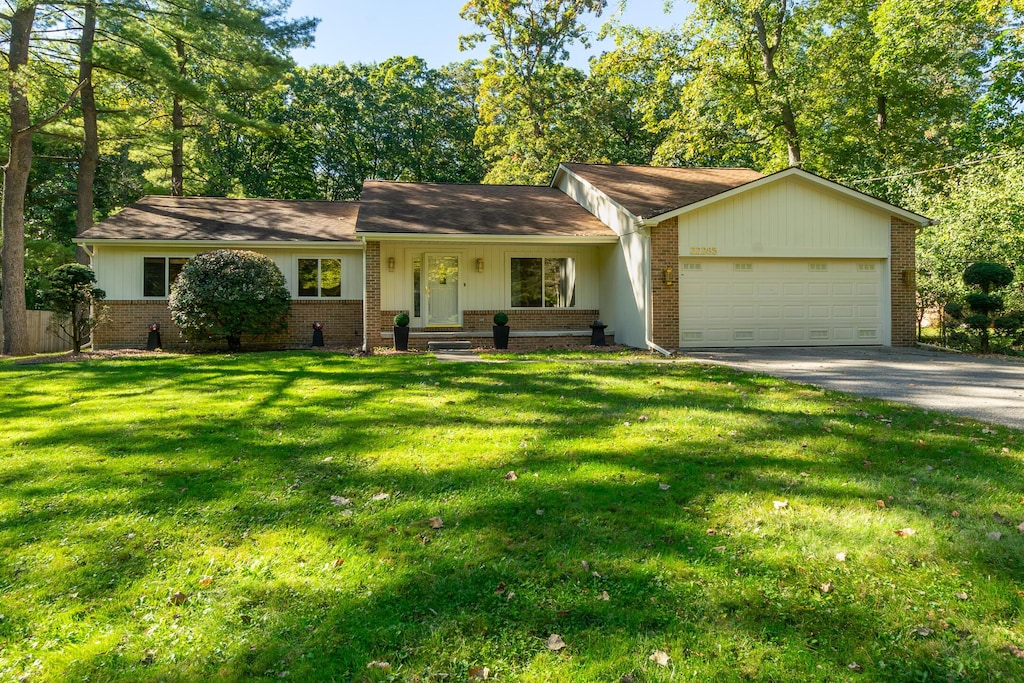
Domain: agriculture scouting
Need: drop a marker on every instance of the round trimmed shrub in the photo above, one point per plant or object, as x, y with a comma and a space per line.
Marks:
501, 318
402, 320
988, 275
228, 293
986, 304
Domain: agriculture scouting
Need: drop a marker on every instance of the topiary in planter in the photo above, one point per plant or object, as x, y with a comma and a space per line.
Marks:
500, 330
228, 293
401, 330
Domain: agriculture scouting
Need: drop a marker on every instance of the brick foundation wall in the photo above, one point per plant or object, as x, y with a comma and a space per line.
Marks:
665, 295
477, 322
902, 236
127, 326
515, 344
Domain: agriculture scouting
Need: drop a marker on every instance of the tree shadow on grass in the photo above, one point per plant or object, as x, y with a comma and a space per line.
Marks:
247, 480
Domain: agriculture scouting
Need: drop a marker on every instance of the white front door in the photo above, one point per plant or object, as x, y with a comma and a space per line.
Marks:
442, 291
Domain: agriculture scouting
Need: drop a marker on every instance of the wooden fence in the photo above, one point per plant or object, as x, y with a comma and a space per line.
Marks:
41, 338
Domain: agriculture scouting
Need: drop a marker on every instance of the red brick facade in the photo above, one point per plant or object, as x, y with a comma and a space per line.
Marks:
371, 293
665, 283
903, 281
127, 326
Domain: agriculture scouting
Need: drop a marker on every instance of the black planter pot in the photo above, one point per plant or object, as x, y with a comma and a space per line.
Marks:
401, 338
500, 336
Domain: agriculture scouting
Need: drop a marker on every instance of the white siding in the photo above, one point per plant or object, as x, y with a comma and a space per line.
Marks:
490, 289
624, 268
119, 268
791, 218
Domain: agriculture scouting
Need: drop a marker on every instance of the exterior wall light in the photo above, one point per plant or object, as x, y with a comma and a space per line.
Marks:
479, 265
391, 264
668, 276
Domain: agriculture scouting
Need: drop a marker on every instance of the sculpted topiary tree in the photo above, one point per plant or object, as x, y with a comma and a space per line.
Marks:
74, 299
227, 294
982, 306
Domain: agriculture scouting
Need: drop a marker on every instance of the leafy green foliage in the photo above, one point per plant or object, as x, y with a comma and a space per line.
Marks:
226, 294
501, 318
401, 320
267, 517
75, 300
988, 276
982, 306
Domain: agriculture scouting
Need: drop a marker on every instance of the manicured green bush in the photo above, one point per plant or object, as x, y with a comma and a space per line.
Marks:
228, 293
74, 298
983, 305
988, 276
402, 320
500, 318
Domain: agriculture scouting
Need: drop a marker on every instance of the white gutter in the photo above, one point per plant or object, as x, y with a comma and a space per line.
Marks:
648, 298
477, 238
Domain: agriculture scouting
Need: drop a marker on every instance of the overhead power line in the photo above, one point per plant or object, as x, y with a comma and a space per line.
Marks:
972, 162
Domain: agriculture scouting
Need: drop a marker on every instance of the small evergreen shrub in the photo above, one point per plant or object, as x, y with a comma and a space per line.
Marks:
500, 318
74, 298
228, 293
402, 320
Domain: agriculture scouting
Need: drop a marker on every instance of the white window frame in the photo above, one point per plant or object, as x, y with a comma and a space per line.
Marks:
576, 279
167, 276
319, 278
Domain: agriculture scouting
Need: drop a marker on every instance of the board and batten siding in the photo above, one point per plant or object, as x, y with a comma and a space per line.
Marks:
789, 219
119, 269
490, 289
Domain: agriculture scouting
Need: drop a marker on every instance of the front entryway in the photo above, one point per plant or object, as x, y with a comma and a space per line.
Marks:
442, 291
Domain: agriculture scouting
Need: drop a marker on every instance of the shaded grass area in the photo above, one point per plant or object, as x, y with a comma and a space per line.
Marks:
172, 519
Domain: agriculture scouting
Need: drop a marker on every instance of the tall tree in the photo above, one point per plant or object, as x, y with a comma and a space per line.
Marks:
527, 93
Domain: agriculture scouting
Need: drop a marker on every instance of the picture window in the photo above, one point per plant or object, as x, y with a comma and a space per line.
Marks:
320, 277
543, 282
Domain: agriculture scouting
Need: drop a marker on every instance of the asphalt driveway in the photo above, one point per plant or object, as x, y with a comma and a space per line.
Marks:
986, 389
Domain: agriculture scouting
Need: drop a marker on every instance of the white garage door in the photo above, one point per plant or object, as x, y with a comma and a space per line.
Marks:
763, 302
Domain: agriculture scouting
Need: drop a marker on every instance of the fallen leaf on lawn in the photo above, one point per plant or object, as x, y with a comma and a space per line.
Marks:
511, 475
555, 642
585, 565
805, 474
604, 596
378, 665
381, 496
178, 598
712, 532
346, 513
1020, 527
880, 504
626, 678
993, 536
1015, 651
329, 458
147, 660
660, 657
962, 595
840, 557
827, 586
904, 533
855, 667
664, 487
563, 613
1000, 519
500, 590
643, 418
922, 631
540, 511
205, 581
511, 596
719, 548
338, 562
480, 672
780, 504
436, 522
625, 424
955, 513
340, 501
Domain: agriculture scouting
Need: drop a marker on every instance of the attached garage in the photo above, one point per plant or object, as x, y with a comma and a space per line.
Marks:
781, 302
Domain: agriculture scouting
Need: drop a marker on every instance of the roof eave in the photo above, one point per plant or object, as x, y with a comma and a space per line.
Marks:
466, 237
282, 244
855, 195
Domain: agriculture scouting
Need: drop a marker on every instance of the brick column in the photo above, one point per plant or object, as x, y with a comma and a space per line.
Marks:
371, 296
902, 235
665, 296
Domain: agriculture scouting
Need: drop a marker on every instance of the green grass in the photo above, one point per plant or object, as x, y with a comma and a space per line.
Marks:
125, 482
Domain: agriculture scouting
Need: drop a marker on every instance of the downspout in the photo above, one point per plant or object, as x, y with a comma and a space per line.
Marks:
649, 297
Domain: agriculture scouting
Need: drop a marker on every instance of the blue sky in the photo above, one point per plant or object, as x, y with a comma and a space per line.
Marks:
371, 31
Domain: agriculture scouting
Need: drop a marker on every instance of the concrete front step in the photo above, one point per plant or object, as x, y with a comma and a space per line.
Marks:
449, 345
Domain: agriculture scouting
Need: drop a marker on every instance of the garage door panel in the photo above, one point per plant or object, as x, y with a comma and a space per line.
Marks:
780, 302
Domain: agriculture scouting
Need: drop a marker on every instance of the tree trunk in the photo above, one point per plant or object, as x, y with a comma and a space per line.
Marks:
777, 87
90, 140
178, 130
19, 164
882, 116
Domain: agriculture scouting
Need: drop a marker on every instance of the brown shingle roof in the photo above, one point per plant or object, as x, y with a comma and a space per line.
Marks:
491, 210
647, 191
213, 218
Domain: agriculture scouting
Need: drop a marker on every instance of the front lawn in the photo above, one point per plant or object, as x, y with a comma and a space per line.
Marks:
269, 516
